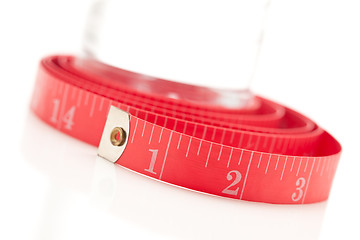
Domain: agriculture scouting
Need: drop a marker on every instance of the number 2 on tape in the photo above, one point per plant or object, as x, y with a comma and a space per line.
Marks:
234, 183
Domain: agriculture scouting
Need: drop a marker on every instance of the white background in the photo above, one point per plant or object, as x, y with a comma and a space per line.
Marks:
54, 187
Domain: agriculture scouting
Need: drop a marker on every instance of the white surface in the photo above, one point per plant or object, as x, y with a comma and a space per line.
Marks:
54, 187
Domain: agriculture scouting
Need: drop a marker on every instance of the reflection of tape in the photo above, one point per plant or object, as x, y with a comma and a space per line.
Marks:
266, 153
104, 182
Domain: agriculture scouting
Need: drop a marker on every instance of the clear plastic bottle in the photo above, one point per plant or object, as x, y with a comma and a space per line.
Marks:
208, 43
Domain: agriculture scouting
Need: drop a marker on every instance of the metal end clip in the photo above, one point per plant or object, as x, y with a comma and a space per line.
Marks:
115, 135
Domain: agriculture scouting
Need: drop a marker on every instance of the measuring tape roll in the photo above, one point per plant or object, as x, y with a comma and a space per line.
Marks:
264, 152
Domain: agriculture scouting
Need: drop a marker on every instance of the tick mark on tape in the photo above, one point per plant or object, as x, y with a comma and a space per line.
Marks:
232, 137
329, 173
292, 165
213, 136
240, 158
322, 169
194, 131
307, 161
101, 104
166, 153
247, 172
259, 160
156, 118
92, 107
231, 152
271, 149
207, 159
199, 147
240, 141
285, 145
187, 152
249, 140
222, 137
282, 174
179, 142
297, 173
277, 162
151, 134
265, 142
268, 163
257, 142
143, 130
87, 98
319, 160
221, 148
308, 181
161, 133
278, 144
204, 133
132, 139
185, 126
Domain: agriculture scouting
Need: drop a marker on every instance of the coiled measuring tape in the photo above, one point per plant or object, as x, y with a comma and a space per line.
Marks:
263, 153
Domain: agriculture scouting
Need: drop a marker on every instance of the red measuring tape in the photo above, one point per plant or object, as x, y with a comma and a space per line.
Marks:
263, 153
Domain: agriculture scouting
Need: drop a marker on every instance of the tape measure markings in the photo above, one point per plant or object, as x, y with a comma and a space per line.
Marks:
208, 156
268, 163
242, 151
282, 173
247, 172
143, 129
132, 139
277, 162
199, 148
161, 133
152, 131
93, 106
323, 167
308, 181
166, 153
206, 160
188, 148
292, 165
231, 152
258, 165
